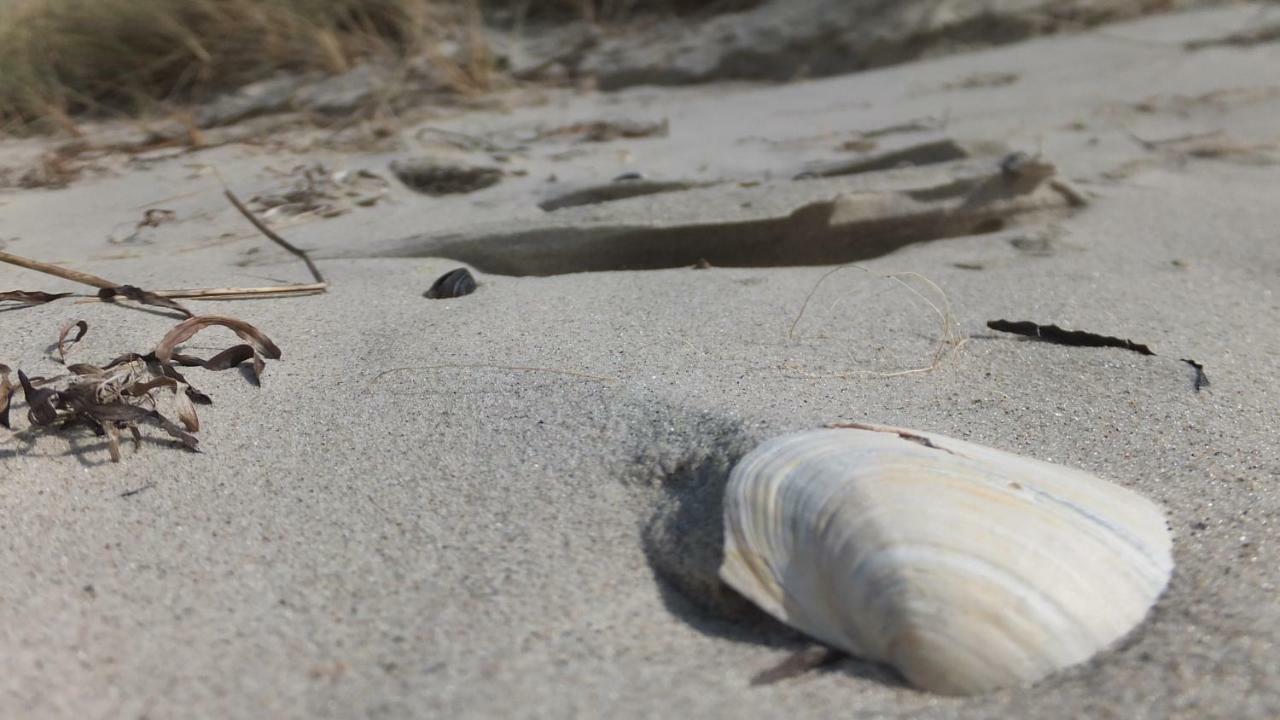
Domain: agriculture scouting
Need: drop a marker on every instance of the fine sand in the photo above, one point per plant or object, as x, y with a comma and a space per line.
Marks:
458, 508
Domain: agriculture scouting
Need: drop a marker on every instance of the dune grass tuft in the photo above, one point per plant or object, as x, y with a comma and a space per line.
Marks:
62, 57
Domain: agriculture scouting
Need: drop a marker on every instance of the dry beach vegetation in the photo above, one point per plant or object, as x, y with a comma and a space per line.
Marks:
59, 58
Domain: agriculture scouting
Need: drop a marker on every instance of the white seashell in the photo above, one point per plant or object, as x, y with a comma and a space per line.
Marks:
964, 567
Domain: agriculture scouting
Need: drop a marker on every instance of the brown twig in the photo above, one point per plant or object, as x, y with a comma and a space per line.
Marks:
273, 236
66, 274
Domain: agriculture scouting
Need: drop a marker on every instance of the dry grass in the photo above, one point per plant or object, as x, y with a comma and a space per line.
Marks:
63, 58
950, 338
615, 10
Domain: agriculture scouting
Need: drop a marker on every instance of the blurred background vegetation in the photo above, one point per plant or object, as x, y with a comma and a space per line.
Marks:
60, 58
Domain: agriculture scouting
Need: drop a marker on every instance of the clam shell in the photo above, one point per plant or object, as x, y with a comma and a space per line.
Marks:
964, 567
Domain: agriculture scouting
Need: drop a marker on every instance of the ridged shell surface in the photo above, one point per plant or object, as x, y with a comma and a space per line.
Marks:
964, 567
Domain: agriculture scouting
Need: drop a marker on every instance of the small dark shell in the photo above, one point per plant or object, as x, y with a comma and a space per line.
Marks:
454, 283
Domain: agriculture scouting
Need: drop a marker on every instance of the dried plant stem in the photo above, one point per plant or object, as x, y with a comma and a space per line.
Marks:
57, 271
273, 236
243, 293
236, 293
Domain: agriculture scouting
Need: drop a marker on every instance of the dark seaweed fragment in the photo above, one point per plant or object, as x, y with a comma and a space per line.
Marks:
1202, 380
1057, 335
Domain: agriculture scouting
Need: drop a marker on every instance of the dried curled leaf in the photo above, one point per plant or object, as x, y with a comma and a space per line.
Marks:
64, 343
130, 391
127, 358
40, 401
137, 294
188, 328
31, 297
195, 395
81, 400
259, 344
6, 392
224, 360
85, 370
139, 389
186, 411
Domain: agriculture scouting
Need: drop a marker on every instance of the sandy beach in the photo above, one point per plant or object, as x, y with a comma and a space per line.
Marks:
505, 504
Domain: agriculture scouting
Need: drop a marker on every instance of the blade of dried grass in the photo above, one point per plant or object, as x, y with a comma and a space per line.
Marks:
110, 289
246, 293
64, 343
6, 392
258, 366
31, 297
241, 293
224, 360
186, 411
188, 441
113, 440
791, 332
184, 330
